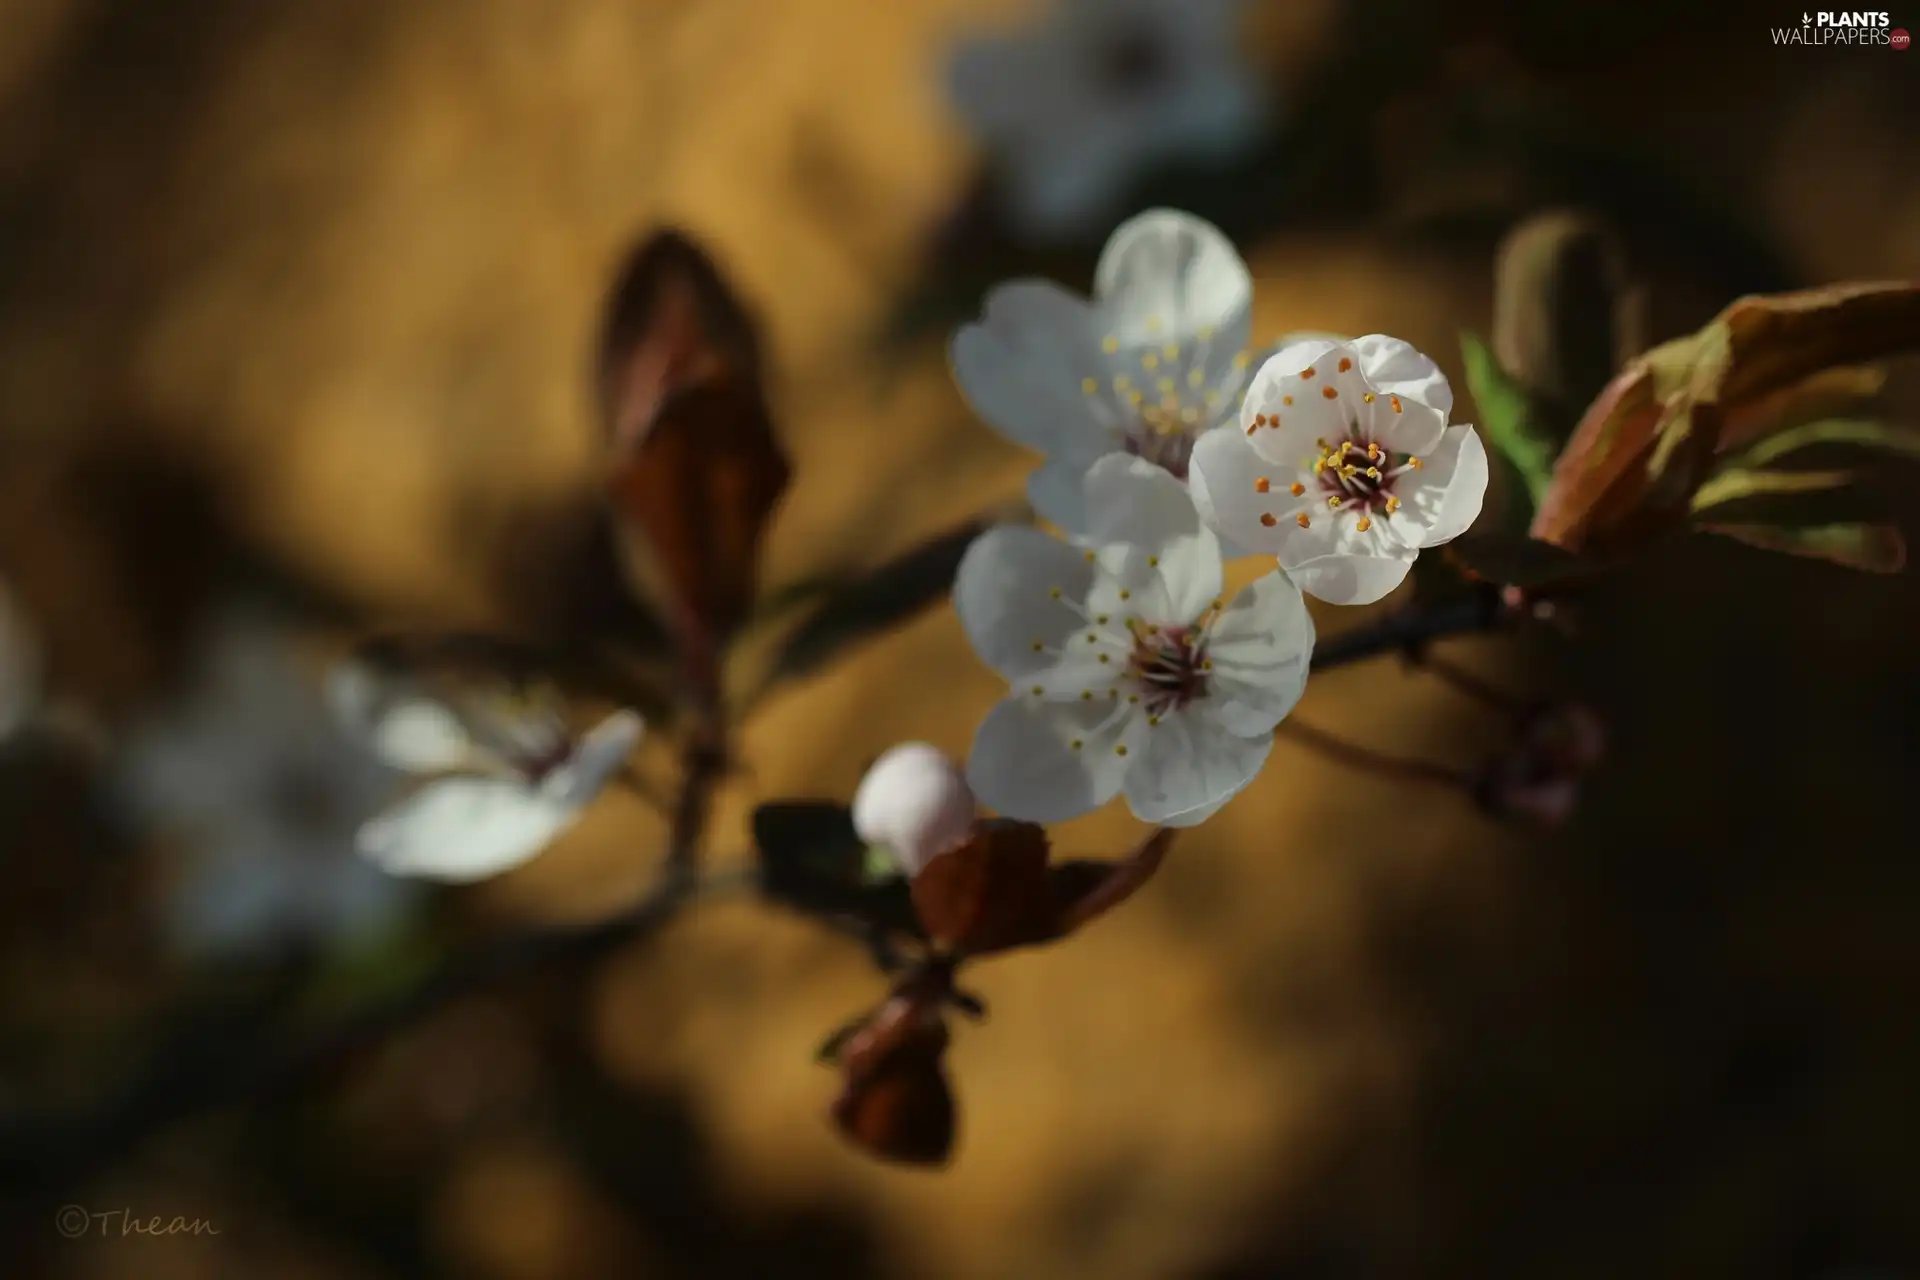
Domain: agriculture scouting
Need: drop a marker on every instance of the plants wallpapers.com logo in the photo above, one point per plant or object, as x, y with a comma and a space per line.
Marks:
1849, 29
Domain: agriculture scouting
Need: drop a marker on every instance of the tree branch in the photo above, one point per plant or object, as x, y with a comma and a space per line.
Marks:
1412, 627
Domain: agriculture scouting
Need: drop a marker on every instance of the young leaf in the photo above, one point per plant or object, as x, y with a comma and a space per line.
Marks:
896, 1102
990, 894
899, 1105
1874, 548
1508, 417
1881, 436
1738, 484
1648, 442
1828, 394
697, 470
812, 859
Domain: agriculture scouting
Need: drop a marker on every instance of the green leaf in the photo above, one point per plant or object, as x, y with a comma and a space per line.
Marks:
1903, 441
1738, 484
1873, 548
1507, 415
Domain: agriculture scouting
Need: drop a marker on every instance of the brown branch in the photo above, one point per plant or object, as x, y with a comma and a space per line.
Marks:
1371, 761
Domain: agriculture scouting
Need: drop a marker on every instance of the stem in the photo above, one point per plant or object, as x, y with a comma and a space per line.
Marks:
1371, 761
1412, 627
704, 763
1470, 684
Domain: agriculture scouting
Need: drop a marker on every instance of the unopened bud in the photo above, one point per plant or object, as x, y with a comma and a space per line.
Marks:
916, 802
1538, 778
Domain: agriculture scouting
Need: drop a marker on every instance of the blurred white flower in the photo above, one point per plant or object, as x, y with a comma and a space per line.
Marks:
506, 776
1129, 674
19, 667
915, 802
266, 792
1155, 361
1072, 112
1344, 466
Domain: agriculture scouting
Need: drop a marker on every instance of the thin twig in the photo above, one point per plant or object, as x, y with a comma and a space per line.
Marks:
1450, 672
1416, 625
1369, 760
202, 1077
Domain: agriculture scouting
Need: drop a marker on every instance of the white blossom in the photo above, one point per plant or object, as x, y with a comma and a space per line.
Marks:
915, 802
1074, 110
1344, 466
504, 775
1129, 674
264, 793
1154, 362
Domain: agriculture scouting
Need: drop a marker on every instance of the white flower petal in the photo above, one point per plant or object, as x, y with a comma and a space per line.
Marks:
1002, 593
1450, 487
1134, 503
600, 753
1022, 366
459, 830
1261, 648
1058, 492
1350, 579
1293, 403
1189, 767
1024, 763
1221, 482
1392, 365
915, 802
403, 728
1167, 276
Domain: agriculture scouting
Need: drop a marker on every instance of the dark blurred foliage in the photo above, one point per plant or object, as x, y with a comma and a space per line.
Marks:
1674, 1038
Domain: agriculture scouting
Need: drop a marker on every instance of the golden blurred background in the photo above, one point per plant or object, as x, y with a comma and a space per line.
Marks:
332, 271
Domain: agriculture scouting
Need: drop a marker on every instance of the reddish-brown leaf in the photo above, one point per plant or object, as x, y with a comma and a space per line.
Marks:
1601, 473
896, 1102
998, 892
672, 321
1781, 339
1649, 440
697, 469
991, 893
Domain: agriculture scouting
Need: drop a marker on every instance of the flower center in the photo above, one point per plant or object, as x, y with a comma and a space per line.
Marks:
1168, 396
1169, 665
1132, 61
1359, 474
1170, 450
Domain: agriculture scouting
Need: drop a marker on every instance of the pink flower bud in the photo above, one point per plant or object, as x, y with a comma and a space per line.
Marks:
915, 801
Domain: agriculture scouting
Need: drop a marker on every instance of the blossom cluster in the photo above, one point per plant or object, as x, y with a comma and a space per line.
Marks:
1168, 451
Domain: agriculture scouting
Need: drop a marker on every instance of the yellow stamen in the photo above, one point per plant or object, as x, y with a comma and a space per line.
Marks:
1363, 524
1262, 484
1296, 489
1302, 520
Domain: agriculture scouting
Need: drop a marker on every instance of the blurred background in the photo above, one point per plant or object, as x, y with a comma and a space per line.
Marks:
298, 303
